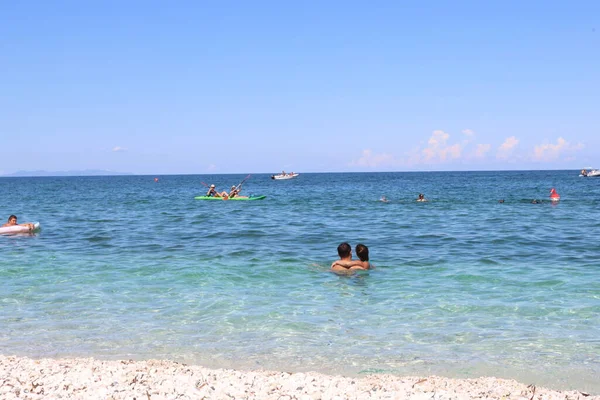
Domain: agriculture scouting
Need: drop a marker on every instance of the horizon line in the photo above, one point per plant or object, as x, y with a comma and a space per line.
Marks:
114, 173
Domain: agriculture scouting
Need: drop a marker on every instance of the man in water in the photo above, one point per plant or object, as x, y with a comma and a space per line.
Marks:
421, 197
346, 263
12, 221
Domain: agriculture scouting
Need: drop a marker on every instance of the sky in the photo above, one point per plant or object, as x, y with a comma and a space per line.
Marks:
197, 87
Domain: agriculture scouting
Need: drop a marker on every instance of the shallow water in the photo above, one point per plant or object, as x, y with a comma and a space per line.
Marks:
125, 267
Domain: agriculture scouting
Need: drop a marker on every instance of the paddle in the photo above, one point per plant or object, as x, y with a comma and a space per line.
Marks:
244, 180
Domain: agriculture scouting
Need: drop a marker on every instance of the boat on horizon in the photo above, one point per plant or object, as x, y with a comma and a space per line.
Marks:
590, 173
283, 175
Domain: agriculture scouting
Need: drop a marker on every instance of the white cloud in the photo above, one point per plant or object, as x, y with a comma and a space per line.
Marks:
482, 150
369, 159
550, 151
212, 167
506, 148
118, 149
438, 150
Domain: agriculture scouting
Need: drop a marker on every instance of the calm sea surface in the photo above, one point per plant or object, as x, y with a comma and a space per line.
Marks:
125, 267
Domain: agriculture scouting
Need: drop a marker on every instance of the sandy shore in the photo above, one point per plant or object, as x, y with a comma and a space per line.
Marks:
87, 378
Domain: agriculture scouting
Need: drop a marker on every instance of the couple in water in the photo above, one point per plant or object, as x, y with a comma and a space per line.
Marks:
346, 263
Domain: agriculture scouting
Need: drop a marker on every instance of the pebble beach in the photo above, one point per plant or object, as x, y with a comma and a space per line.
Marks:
88, 378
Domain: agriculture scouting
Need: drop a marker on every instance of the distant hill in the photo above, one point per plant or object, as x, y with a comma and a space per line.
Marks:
86, 172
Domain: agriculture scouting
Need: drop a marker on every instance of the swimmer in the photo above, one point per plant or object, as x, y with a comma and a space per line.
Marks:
384, 199
12, 221
421, 197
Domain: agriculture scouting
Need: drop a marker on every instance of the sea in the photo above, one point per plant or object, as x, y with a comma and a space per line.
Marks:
133, 267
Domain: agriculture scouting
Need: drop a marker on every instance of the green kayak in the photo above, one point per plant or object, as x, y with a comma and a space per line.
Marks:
235, 198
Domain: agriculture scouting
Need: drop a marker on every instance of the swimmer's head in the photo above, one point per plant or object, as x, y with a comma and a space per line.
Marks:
344, 250
362, 252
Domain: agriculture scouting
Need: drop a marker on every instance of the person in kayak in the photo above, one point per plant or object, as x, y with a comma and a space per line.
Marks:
234, 192
12, 221
346, 263
212, 192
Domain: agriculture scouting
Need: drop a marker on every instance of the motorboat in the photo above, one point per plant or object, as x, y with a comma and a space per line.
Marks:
590, 173
284, 175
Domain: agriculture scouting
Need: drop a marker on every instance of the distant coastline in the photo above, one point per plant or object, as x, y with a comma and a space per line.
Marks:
86, 172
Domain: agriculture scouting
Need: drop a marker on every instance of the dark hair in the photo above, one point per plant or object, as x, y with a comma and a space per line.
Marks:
344, 250
11, 217
362, 252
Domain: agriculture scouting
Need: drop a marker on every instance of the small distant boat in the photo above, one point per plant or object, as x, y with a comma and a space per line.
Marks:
591, 173
284, 175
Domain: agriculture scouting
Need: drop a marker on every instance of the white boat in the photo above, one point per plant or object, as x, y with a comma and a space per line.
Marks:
284, 175
591, 173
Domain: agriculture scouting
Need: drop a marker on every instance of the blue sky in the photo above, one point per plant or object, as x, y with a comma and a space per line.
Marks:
232, 87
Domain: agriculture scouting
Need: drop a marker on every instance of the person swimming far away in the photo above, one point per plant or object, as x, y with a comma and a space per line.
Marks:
421, 197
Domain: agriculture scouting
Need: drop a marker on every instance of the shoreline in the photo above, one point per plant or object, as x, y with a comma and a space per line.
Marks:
89, 378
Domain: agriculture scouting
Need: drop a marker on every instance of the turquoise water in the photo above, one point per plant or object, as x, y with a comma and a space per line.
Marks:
125, 267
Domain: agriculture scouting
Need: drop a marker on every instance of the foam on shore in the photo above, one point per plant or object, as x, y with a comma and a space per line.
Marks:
88, 378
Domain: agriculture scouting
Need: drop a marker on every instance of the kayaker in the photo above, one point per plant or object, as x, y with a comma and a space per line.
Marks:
212, 192
234, 192
12, 221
